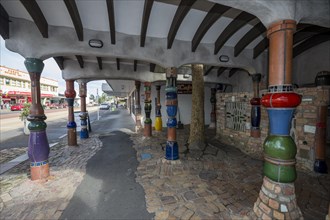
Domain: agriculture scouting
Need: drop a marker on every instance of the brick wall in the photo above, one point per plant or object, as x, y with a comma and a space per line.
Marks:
303, 129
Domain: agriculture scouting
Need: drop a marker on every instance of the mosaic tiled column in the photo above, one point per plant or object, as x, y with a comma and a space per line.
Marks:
320, 165
172, 149
255, 108
158, 121
138, 125
38, 147
83, 112
277, 195
147, 110
70, 94
213, 112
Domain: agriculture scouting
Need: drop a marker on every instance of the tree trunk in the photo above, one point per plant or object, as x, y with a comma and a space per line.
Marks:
196, 136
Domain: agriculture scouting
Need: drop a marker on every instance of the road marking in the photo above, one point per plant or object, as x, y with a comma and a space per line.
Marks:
62, 136
7, 166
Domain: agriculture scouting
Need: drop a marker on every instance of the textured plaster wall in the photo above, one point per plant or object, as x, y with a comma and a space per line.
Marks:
309, 63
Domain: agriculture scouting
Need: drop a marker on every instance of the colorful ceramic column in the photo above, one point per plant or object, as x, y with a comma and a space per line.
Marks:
138, 125
70, 94
172, 149
255, 108
277, 197
320, 165
213, 103
38, 147
147, 110
158, 121
83, 112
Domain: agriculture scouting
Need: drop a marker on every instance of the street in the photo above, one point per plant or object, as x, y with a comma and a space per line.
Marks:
11, 127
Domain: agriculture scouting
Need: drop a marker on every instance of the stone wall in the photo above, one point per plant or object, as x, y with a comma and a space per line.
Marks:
303, 129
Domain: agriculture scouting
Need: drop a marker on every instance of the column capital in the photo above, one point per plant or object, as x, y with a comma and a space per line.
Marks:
171, 72
82, 81
281, 25
34, 65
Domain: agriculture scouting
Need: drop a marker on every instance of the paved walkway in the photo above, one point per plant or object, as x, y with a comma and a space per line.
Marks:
223, 183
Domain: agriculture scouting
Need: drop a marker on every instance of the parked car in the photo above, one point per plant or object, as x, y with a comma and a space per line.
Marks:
17, 107
104, 106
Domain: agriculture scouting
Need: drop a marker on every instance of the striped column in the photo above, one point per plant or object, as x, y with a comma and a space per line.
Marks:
277, 196
213, 112
83, 112
158, 121
172, 149
138, 125
38, 147
147, 110
70, 94
255, 108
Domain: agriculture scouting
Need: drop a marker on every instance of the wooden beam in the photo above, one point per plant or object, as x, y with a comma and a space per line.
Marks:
261, 46
311, 42
75, 17
118, 63
145, 20
242, 19
152, 67
208, 70
308, 32
111, 16
135, 65
99, 62
251, 35
180, 14
4, 23
221, 70
80, 61
38, 17
212, 16
232, 71
60, 62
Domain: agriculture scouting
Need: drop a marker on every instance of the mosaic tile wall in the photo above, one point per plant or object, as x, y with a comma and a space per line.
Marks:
236, 116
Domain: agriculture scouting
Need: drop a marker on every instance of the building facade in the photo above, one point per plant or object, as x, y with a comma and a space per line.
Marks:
15, 87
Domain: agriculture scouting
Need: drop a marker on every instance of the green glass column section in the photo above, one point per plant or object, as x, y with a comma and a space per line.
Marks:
280, 152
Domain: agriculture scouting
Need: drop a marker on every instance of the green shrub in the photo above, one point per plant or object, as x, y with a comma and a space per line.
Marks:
25, 111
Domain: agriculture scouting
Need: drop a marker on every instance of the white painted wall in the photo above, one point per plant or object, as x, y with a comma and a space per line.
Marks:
184, 103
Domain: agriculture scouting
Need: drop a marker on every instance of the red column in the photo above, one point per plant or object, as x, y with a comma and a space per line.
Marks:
70, 94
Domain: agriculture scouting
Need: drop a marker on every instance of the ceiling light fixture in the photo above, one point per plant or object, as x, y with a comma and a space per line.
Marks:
95, 43
224, 58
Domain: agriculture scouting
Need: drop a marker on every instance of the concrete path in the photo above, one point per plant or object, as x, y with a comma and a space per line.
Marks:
109, 189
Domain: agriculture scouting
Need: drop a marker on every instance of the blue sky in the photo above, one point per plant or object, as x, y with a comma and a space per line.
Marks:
51, 70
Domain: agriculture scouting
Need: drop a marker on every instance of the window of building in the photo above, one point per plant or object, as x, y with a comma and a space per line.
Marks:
7, 81
2, 81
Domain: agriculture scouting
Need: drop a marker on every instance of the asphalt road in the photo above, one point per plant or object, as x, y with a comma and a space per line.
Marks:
11, 126
109, 189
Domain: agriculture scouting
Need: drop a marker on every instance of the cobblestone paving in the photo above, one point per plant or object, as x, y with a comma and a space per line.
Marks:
223, 183
7, 155
20, 198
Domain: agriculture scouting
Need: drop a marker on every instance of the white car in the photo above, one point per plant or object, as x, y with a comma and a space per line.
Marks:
104, 106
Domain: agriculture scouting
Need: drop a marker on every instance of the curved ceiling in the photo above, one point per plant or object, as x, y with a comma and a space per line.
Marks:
197, 22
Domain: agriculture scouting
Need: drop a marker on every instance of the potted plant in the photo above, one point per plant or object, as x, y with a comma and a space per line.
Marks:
23, 116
